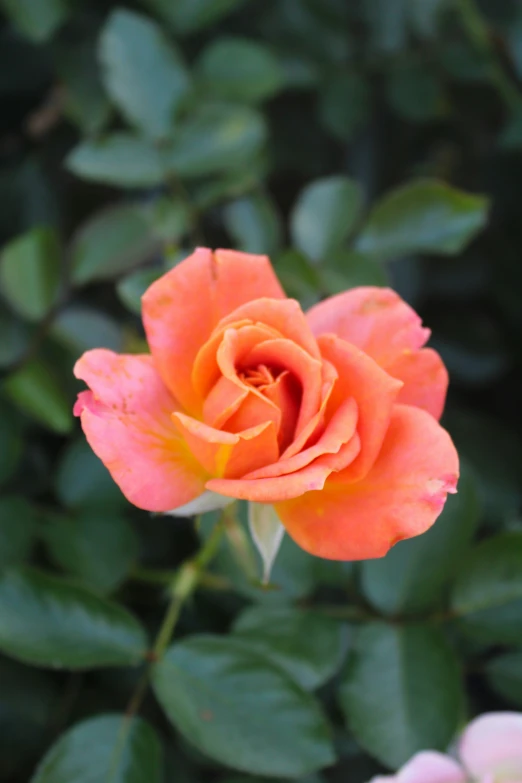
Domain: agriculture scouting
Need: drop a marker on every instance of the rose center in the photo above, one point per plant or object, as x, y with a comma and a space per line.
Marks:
259, 376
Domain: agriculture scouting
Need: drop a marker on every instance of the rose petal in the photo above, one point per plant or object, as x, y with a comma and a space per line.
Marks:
492, 744
379, 322
431, 767
286, 355
224, 351
254, 410
229, 454
425, 380
374, 391
283, 315
340, 430
222, 401
271, 490
181, 309
376, 320
315, 425
127, 421
401, 496
286, 395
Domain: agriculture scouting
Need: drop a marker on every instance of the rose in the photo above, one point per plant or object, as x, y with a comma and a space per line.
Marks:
489, 751
331, 417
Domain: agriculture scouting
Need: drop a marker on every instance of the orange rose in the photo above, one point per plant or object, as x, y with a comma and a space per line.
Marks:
329, 416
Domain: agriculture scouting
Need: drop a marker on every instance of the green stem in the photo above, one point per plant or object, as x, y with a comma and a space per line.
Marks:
182, 586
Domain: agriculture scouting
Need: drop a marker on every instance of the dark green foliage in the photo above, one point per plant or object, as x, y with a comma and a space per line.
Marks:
369, 142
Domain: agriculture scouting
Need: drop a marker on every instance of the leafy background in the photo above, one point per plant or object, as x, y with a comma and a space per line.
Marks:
362, 142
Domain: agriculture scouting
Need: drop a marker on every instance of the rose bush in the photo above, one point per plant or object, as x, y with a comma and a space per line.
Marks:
490, 750
329, 416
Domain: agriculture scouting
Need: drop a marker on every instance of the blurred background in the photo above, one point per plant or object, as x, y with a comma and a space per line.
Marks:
357, 142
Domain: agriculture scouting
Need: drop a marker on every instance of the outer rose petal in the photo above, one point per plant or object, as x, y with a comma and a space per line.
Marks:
127, 421
181, 309
402, 495
425, 380
376, 320
492, 746
374, 391
431, 767
379, 322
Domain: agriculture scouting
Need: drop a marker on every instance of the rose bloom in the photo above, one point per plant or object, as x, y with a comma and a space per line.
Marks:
490, 751
331, 417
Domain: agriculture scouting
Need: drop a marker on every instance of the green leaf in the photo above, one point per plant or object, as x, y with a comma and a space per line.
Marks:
464, 62
47, 621
132, 287
214, 139
16, 338
401, 692
11, 440
17, 530
504, 676
240, 69
30, 269
414, 89
308, 647
234, 183
514, 42
487, 596
300, 70
97, 547
388, 24
82, 479
254, 224
36, 19
119, 159
425, 14
347, 268
36, 391
324, 216
107, 747
299, 277
188, 16
344, 104
414, 575
423, 216
111, 243
85, 102
241, 710
80, 328
170, 217
142, 71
